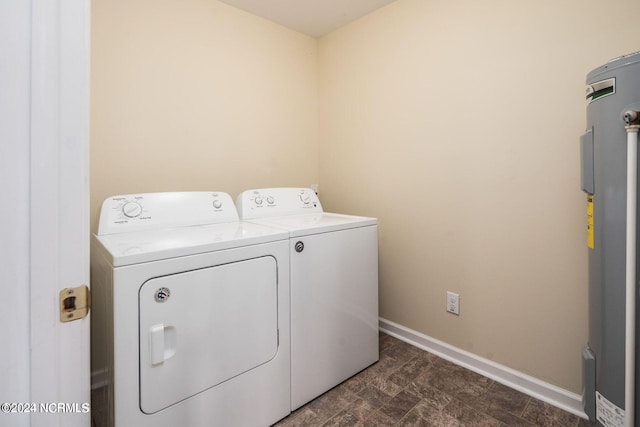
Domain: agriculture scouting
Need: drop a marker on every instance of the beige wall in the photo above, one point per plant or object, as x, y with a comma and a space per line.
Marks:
197, 95
457, 125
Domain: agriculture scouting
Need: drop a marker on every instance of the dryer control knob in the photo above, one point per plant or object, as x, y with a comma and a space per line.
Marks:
131, 209
217, 204
305, 198
258, 200
271, 200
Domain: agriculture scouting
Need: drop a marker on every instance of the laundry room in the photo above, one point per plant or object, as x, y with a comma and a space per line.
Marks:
455, 123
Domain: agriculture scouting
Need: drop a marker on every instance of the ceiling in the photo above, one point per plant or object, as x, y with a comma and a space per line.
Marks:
313, 17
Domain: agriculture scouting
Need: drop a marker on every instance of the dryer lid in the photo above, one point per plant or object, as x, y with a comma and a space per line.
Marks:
145, 246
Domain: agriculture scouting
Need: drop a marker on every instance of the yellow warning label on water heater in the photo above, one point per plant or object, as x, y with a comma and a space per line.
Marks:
590, 237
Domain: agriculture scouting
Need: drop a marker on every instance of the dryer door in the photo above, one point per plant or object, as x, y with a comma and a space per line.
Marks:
203, 327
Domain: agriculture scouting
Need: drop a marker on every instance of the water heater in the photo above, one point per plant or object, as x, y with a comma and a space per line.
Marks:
609, 177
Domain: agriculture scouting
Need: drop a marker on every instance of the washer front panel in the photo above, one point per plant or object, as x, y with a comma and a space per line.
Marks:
334, 309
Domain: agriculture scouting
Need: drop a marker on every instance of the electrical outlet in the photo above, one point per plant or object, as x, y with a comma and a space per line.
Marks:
453, 303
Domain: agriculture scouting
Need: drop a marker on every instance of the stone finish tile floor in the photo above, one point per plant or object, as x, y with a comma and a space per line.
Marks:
411, 387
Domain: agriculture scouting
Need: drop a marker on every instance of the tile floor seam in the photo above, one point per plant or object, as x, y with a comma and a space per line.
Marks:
524, 410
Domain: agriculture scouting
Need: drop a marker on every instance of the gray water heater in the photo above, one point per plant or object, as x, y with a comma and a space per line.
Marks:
612, 90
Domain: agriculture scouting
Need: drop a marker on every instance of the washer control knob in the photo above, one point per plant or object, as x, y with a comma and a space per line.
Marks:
217, 204
271, 200
131, 209
304, 197
258, 200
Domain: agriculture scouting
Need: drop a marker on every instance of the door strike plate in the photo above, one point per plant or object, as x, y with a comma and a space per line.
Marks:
74, 303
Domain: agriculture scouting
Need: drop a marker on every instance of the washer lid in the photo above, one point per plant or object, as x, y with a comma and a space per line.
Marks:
153, 245
303, 225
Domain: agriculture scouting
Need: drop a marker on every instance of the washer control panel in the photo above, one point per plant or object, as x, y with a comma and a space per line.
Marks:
148, 211
270, 202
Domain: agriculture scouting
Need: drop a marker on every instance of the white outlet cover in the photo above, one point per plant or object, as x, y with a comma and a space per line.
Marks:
453, 303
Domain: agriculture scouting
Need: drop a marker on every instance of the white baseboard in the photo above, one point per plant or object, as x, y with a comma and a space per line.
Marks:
553, 395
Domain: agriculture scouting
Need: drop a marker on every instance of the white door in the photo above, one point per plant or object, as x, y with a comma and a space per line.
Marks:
44, 231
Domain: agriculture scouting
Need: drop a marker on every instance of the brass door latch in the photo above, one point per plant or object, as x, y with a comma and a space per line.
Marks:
74, 303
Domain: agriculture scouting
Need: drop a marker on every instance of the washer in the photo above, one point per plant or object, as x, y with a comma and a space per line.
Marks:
190, 319
334, 286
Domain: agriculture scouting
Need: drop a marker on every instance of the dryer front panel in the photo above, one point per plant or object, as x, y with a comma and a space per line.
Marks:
200, 328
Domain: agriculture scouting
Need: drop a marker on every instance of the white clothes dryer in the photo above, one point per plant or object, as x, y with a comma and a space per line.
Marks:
190, 318
334, 286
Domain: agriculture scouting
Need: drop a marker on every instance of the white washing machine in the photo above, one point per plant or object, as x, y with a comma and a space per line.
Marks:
334, 286
190, 318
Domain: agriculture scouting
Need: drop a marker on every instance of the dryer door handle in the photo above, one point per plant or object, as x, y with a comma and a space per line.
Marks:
156, 344
162, 343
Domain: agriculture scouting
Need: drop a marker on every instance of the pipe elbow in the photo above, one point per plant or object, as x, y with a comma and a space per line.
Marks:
631, 117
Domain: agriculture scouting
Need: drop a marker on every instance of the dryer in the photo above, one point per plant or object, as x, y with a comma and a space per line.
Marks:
190, 319
334, 286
